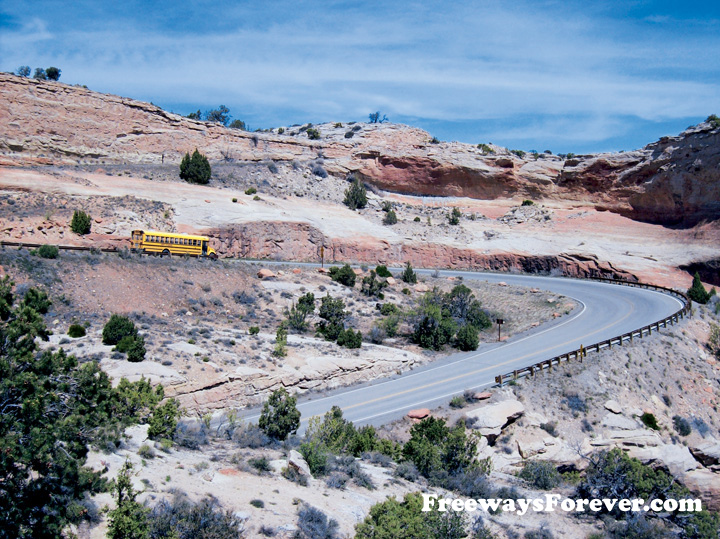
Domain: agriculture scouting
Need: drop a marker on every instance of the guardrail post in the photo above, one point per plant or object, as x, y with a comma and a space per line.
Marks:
515, 375
499, 380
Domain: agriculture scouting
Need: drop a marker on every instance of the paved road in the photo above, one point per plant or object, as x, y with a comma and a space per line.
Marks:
606, 310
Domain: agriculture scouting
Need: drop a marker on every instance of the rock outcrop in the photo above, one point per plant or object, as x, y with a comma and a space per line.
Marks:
672, 181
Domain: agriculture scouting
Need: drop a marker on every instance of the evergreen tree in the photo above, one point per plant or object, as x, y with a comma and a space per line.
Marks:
333, 317
52, 410
697, 291
280, 417
195, 168
129, 519
53, 73
81, 222
409, 276
355, 196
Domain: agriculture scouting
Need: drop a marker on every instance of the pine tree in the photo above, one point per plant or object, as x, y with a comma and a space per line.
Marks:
697, 291
195, 168
355, 196
129, 519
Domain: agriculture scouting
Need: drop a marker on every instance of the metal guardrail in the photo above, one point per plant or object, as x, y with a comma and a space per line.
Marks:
618, 340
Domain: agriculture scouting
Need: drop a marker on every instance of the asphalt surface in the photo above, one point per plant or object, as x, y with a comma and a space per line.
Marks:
605, 311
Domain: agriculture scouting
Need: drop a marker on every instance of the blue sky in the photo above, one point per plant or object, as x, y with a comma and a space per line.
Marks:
568, 76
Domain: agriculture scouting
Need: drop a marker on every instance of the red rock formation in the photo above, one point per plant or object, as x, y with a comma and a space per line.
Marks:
673, 181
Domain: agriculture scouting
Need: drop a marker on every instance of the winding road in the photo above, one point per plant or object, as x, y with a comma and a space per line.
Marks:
606, 310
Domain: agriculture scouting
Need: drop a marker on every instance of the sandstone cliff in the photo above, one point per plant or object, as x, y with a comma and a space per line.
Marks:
673, 181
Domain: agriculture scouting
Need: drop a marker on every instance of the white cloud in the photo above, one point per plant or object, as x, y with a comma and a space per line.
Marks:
464, 62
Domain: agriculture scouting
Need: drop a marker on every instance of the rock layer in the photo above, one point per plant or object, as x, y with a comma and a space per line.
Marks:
672, 181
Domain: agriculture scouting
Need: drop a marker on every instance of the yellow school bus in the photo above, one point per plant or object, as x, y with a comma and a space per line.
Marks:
169, 243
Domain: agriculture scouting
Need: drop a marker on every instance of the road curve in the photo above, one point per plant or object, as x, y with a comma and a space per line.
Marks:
606, 310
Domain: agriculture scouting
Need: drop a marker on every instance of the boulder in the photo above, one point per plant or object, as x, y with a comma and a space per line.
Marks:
265, 274
420, 413
420, 287
481, 396
676, 459
628, 438
491, 419
620, 422
297, 461
296, 270
706, 453
613, 406
529, 445
391, 281
704, 484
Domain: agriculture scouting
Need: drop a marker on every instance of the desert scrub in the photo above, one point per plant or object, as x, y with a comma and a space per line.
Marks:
250, 191
81, 223
540, 474
47, 251
76, 331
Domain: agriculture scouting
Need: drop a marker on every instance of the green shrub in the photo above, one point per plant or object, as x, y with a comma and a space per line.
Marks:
409, 276
343, 275
146, 452
333, 317
253, 330
315, 454
37, 300
81, 222
454, 216
181, 519
713, 120
613, 474
485, 149
350, 339
313, 134
697, 291
250, 191
257, 503
76, 331
388, 309
519, 153
136, 350
540, 474
434, 447
390, 218
163, 420
261, 464
48, 251
234, 199
280, 341
404, 518
527, 202
458, 401
417, 219
467, 338
371, 286
125, 343
292, 474
195, 168
280, 417
649, 421
382, 271
355, 196
118, 327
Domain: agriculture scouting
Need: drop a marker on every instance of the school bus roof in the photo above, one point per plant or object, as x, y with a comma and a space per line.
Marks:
171, 234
